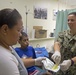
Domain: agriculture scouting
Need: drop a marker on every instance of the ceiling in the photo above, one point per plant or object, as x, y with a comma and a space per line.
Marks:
69, 2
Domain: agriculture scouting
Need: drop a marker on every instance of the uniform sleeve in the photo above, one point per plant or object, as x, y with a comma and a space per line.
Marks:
8, 66
60, 38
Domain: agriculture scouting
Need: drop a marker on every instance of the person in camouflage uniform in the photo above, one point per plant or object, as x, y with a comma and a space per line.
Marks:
65, 48
68, 50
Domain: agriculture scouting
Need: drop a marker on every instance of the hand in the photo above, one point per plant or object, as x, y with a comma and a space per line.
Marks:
56, 57
38, 61
65, 65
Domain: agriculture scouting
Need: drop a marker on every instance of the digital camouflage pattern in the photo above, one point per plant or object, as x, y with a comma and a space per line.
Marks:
68, 50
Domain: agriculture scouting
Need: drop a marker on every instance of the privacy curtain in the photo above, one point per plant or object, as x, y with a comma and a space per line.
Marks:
61, 21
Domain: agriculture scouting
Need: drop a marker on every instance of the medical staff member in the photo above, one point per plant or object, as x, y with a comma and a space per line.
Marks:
65, 48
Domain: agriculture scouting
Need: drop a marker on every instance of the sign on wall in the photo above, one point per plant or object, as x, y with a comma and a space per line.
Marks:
54, 14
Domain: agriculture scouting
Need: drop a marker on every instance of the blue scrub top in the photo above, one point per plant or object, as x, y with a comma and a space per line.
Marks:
27, 52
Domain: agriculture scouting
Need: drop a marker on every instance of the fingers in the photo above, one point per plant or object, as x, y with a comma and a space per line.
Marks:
56, 59
62, 66
43, 58
38, 61
65, 65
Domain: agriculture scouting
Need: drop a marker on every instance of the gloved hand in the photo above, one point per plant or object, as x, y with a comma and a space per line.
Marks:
65, 65
38, 61
56, 57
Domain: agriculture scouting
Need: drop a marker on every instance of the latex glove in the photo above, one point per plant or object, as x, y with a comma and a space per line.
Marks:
65, 65
38, 61
56, 57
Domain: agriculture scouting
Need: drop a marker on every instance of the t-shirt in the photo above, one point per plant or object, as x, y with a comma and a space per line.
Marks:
27, 52
8, 62
21, 66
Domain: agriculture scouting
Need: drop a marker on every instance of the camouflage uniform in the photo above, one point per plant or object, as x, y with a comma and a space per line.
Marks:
68, 50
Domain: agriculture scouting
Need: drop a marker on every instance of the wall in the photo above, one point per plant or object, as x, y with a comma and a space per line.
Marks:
21, 5
48, 24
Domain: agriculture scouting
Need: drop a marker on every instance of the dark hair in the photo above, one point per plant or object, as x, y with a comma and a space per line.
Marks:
23, 34
74, 13
9, 16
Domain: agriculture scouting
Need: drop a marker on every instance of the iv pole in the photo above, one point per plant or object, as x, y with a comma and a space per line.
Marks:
26, 17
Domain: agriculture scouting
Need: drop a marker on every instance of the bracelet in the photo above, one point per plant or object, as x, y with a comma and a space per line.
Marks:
72, 62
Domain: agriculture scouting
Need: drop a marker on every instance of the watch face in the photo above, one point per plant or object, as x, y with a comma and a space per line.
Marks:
49, 65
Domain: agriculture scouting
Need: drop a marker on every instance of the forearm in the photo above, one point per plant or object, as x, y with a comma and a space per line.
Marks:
57, 46
28, 62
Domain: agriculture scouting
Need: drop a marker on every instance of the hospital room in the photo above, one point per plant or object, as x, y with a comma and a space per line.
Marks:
37, 37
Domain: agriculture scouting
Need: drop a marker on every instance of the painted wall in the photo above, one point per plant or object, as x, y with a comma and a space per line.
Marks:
21, 5
48, 24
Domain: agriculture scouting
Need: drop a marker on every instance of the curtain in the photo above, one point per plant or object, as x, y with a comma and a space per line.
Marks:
61, 21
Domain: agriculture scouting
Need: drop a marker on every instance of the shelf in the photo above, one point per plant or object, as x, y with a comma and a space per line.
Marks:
39, 39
